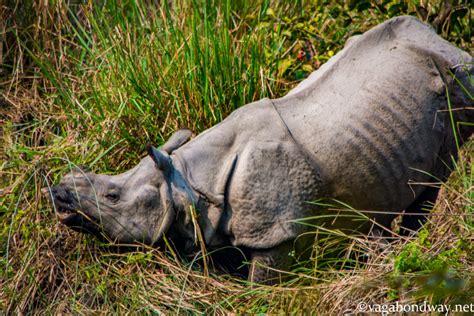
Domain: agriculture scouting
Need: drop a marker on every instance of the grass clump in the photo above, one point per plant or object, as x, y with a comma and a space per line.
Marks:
91, 83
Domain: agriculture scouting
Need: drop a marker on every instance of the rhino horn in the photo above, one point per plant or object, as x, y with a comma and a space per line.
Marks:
81, 169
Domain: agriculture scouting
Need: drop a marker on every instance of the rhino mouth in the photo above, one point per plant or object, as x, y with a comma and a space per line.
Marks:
65, 207
69, 213
65, 213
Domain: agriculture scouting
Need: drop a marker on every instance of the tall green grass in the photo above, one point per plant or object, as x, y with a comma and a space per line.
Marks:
142, 71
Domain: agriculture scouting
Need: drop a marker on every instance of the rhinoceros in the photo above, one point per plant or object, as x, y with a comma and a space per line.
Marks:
367, 129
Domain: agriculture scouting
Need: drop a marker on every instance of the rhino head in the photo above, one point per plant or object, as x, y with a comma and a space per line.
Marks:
135, 206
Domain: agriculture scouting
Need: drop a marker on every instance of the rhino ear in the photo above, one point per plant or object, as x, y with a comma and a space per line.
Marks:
161, 158
176, 140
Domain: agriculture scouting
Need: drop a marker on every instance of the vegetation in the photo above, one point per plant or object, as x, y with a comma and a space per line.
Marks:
91, 82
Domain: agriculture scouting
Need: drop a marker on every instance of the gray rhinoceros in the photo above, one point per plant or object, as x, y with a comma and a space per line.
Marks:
365, 129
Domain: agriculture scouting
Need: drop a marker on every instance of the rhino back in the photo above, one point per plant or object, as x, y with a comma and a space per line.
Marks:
373, 118
366, 127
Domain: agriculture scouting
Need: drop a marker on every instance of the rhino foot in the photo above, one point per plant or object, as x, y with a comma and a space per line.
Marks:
416, 214
268, 265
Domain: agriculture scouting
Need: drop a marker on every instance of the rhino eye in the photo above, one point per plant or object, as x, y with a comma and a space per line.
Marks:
113, 197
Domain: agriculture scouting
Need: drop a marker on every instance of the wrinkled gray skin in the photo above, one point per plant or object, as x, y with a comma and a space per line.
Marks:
359, 130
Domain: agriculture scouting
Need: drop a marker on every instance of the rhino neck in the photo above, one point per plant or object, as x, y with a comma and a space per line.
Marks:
184, 198
203, 170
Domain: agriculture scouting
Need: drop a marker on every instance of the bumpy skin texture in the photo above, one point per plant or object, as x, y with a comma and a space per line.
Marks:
364, 129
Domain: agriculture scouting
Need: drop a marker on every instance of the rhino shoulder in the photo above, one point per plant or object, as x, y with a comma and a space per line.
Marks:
271, 186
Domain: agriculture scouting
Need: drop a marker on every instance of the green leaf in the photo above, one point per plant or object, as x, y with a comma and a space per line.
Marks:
307, 68
283, 66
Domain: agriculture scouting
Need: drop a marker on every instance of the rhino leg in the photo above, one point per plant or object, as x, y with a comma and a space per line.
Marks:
266, 264
412, 223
